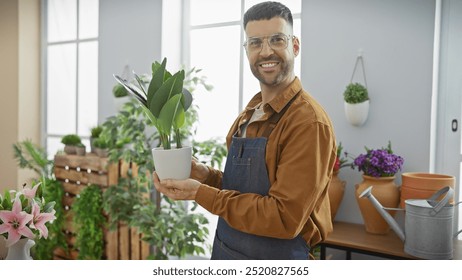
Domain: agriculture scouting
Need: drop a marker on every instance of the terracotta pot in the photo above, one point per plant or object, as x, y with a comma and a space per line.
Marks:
420, 185
336, 190
386, 192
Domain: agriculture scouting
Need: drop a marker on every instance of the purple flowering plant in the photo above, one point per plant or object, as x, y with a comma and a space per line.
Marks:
379, 163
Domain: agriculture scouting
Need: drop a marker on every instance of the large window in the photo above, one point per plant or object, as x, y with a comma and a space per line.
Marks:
71, 70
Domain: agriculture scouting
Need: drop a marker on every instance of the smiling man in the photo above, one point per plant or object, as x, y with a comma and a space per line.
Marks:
272, 197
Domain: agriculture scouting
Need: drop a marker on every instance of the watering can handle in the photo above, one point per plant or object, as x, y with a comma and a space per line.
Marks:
449, 193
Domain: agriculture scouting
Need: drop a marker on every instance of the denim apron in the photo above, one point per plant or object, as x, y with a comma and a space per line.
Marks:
245, 171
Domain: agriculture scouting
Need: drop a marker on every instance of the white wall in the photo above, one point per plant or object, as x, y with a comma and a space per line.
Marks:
397, 42
129, 34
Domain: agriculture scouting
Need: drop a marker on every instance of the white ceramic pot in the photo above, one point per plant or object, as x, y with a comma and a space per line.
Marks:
20, 250
172, 164
357, 113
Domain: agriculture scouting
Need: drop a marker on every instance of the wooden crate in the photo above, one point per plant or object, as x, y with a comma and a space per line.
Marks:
76, 173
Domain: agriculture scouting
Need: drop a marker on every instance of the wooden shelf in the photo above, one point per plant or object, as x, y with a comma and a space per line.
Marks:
77, 172
354, 238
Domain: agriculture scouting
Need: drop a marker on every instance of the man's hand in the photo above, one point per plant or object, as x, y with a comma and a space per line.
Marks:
177, 189
199, 171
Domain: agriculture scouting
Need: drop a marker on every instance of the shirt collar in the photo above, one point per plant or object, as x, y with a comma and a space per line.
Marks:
281, 100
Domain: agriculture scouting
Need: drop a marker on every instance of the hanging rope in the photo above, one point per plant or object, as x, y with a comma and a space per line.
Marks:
359, 58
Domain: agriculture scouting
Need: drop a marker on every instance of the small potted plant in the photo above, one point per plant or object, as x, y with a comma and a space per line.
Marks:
70, 142
101, 147
379, 167
95, 133
80, 149
356, 103
165, 102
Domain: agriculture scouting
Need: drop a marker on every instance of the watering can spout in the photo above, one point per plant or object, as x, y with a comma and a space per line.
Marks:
388, 218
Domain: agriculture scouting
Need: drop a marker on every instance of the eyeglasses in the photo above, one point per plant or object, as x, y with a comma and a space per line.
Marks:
277, 42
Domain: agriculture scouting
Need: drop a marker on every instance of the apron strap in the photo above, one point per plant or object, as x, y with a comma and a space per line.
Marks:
274, 119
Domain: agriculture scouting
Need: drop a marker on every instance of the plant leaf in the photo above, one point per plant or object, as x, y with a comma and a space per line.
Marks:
158, 72
134, 91
187, 100
169, 113
171, 87
140, 83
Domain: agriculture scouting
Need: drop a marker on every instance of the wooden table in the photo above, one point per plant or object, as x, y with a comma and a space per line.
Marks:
354, 238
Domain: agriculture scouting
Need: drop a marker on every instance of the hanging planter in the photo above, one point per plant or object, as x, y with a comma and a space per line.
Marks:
356, 99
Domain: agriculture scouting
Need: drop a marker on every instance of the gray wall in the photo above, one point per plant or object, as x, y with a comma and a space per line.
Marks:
129, 34
396, 38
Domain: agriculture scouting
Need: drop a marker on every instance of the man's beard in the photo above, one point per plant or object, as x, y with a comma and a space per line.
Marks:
283, 73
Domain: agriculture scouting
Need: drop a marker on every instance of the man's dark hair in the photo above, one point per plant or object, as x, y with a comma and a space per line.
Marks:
268, 10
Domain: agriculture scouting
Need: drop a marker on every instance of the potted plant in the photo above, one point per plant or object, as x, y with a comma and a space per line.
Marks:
70, 141
336, 187
101, 147
379, 167
165, 102
95, 133
356, 103
80, 149
23, 218
33, 157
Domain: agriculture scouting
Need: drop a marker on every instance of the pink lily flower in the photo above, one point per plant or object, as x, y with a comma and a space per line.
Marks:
15, 223
30, 192
39, 220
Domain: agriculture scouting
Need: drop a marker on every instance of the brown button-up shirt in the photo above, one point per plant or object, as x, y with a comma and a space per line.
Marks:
300, 155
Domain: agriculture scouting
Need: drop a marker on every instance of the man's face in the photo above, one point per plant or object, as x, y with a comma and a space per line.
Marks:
272, 67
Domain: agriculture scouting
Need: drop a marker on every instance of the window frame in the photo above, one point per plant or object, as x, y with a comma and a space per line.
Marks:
45, 135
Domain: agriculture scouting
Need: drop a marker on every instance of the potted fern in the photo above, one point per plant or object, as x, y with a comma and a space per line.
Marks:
165, 102
356, 103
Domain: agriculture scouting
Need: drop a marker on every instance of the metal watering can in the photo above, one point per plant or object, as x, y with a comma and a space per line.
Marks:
428, 224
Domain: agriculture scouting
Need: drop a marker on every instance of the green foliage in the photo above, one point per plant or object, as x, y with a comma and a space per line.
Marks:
89, 221
355, 93
96, 131
211, 151
172, 229
119, 91
52, 190
168, 226
71, 139
164, 102
31, 156
101, 143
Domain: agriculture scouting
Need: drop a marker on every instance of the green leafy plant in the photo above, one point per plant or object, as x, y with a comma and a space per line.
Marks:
342, 159
172, 229
210, 151
355, 93
71, 139
101, 143
164, 102
89, 222
134, 200
96, 131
